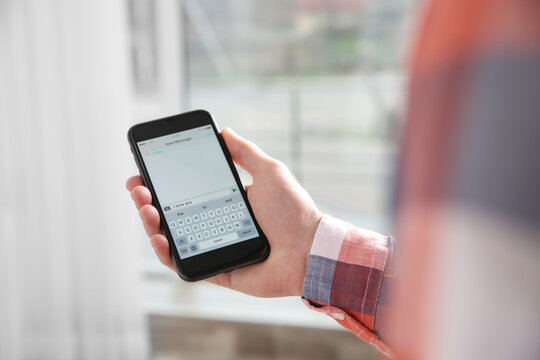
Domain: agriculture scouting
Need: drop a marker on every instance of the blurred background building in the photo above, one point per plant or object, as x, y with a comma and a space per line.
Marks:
316, 83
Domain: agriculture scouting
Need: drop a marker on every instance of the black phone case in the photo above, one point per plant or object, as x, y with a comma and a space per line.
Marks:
253, 259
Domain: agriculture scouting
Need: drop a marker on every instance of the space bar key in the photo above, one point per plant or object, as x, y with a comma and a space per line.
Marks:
218, 241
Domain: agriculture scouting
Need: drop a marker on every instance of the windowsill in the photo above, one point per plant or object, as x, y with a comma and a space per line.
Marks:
166, 295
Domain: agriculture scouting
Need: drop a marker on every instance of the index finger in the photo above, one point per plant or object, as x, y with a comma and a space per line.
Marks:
133, 181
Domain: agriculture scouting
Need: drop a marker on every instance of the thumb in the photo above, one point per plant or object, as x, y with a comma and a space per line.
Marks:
244, 152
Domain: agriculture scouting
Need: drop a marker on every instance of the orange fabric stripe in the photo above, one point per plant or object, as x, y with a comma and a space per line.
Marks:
452, 29
364, 247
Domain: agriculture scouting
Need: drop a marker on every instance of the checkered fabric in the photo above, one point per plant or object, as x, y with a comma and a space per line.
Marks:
344, 276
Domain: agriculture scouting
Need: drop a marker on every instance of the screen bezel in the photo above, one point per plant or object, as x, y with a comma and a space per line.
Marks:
216, 261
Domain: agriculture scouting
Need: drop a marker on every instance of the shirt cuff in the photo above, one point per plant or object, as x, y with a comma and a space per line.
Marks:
339, 246
344, 276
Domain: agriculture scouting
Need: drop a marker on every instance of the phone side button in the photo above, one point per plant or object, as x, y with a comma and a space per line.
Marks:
218, 241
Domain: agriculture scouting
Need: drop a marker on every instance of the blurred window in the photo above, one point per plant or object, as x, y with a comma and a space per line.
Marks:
317, 84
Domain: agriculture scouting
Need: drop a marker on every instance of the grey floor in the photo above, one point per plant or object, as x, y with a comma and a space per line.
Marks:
176, 338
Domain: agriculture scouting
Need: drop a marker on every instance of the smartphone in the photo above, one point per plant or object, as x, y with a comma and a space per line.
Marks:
204, 209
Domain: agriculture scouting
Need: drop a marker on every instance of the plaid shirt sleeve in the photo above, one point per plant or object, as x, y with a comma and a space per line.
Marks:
345, 275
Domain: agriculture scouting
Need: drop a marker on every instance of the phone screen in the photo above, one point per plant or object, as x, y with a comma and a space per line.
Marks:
200, 198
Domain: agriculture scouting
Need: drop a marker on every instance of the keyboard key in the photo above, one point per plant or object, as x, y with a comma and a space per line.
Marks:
246, 232
206, 234
195, 228
191, 238
182, 241
240, 214
194, 247
226, 209
180, 232
221, 229
225, 219
218, 221
188, 220
184, 250
241, 205
233, 217
237, 225
214, 231
230, 227
204, 216
211, 223
211, 213
180, 222
196, 218
187, 230
198, 236
218, 241
202, 225
219, 211
173, 224
246, 222
234, 207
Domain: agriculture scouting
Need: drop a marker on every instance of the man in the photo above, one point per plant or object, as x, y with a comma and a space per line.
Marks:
468, 203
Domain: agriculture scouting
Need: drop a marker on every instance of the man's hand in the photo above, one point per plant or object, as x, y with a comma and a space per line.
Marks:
284, 210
